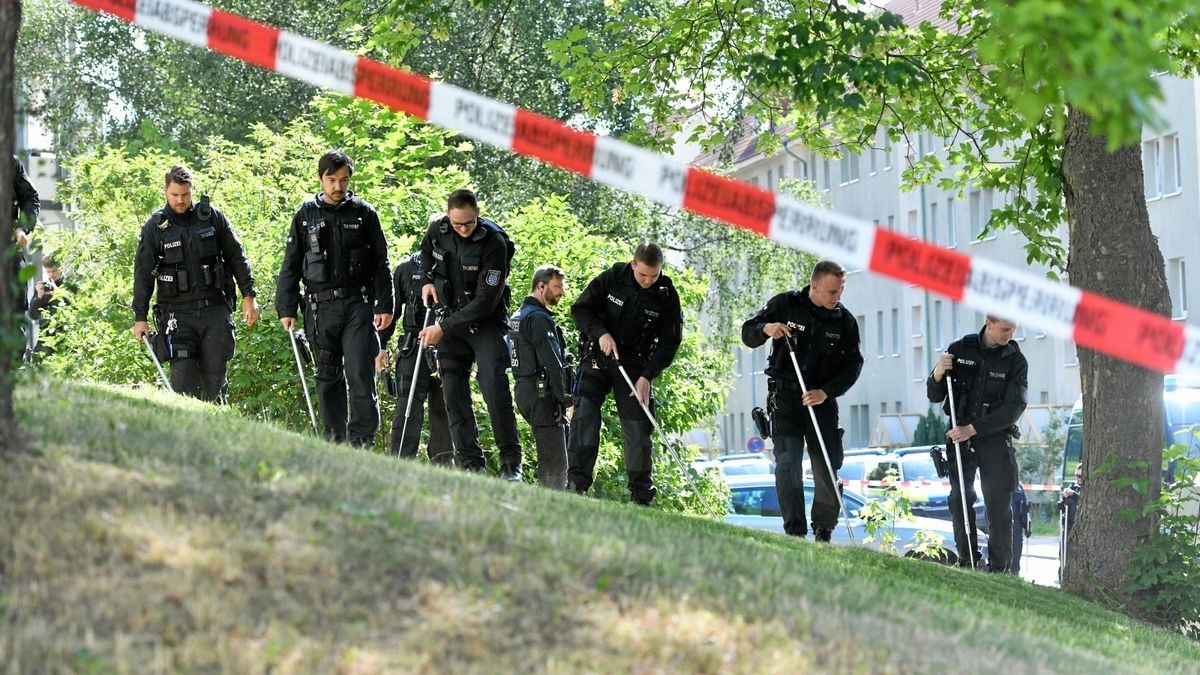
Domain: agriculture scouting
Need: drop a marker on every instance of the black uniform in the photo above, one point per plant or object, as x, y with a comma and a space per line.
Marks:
410, 313
338, 250
826, 343
25, 199
1021, 527
647, 324
188, 259
542, 369
989, 393
471, 278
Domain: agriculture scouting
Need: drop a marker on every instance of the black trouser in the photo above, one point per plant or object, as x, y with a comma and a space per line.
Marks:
486, 348
993, 457
345, 344
203, 342
428, 387
584, 446
1018, 543
793, 431
544, 414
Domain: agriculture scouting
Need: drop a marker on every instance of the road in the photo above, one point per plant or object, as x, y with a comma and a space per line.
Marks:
1039, 561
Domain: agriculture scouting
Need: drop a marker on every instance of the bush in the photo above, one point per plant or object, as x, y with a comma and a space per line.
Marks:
1167, 565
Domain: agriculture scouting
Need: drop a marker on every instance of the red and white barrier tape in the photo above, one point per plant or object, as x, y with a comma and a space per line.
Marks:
1093, 321
1029, 487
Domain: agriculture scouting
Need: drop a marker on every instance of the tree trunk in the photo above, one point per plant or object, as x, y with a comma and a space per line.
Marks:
10, 23
1113, 253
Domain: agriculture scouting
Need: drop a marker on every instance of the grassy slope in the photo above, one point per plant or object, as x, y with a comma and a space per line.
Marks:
154, 533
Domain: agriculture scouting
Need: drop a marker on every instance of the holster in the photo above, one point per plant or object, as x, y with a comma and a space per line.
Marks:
409, 343
304, 347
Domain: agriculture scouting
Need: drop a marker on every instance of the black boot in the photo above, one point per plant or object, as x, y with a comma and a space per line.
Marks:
511, 474
823, 534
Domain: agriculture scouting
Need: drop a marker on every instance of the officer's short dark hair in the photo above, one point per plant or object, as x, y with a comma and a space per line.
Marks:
333, 161
180, 175
461, 199
828, 267
649, 253
545, 274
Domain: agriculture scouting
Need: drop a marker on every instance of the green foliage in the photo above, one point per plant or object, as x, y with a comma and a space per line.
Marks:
930, 429
93, 78
1041, 462
1167, 565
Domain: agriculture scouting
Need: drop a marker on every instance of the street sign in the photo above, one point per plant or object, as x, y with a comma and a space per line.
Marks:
755, 444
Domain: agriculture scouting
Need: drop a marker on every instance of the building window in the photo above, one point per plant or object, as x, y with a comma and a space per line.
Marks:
887, 154
754, 181
770, 179
874, 161
849, 164
825, 172
955, 323
891, 223
933, 223
1177, 281
951, 225
939, 335
916, 322
980, 203
883, 408
1071, 353
800, 169
862, 332
1045, 398
1019, 334
918, 364
879, 334
913, 223
782, 172
1152, 168
1172, 179
895, 332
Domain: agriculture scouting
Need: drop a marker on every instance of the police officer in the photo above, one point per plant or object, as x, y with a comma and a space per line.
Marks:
406, 283
541, 367
26, 201
1022, 527
990, 381
825, 338
629, 314
465, 259
188, 256
336, 246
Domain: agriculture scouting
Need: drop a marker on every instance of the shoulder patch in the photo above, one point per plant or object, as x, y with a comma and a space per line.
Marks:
493, 278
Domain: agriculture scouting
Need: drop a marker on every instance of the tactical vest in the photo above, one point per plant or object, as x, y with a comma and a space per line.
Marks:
457, 264
411, 280
820, 342
524, 354
189, 258
979, 383
634, 316
337, 251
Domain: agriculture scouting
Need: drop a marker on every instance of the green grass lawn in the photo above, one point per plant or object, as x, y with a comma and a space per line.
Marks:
158, 534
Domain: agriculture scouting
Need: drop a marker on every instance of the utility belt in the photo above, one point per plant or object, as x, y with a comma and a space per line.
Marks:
338, 293
783, 385
193, 304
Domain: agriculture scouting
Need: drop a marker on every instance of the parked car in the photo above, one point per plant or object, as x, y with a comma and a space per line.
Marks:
927, 494
755, 504
739, 465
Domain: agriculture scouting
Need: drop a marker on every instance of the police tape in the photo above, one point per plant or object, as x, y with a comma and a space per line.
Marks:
1029, 487
1117, 329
